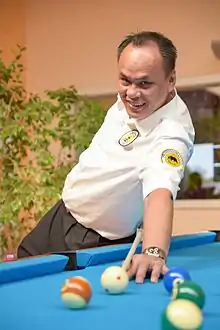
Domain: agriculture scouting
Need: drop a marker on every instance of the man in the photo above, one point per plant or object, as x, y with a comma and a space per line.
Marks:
130, 174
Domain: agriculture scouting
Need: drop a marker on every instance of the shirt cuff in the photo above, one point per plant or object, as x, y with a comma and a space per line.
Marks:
162, 183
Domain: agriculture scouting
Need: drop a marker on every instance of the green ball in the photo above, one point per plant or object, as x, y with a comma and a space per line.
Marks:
189, 290
182, 314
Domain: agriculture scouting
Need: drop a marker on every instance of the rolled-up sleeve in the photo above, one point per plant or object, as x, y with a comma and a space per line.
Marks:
165, 164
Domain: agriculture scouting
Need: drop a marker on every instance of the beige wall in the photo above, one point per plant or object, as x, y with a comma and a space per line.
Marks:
74, 42
12, 26
192, 216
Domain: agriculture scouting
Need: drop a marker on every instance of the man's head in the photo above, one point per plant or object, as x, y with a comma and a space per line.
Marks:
146, 63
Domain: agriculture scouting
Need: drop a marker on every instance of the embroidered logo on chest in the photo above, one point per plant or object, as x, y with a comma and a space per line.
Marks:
128, 138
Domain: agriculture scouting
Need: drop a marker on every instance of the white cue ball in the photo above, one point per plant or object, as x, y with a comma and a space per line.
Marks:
114, 280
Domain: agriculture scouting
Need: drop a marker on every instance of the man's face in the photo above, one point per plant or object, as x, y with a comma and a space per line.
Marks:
143, 84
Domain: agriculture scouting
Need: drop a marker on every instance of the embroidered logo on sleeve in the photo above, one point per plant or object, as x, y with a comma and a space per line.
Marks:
172, 157
128, 138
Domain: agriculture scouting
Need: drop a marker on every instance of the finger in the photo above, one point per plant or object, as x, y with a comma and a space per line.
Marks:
165, 269
156, 272
133, 268
141, 272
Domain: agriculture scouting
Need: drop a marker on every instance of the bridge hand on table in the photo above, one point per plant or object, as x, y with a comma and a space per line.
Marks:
141, 264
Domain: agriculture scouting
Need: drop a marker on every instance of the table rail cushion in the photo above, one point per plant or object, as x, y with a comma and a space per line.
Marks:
32, 267
102, 255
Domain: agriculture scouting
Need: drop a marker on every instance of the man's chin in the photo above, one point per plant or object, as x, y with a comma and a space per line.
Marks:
142, 114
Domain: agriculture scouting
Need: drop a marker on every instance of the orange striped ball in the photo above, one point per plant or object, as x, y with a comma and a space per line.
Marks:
76, 292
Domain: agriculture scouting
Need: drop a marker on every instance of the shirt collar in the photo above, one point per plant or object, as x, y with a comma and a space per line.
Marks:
145, 126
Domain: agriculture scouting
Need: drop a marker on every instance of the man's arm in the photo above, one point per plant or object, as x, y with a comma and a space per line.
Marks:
157, 231
158, 220
160, 176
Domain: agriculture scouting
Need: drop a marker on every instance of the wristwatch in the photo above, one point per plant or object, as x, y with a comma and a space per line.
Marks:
155, 251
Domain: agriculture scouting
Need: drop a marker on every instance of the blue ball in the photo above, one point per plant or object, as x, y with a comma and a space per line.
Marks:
175, 273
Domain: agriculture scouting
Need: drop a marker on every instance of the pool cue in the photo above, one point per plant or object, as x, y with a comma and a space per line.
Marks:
138, 239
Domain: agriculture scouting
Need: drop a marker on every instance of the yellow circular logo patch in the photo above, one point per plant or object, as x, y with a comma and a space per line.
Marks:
128, 138
172, 158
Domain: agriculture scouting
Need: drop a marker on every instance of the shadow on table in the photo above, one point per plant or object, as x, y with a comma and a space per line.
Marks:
212, 314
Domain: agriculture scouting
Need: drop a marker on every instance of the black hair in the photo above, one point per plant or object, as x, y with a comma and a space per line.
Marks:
166, 47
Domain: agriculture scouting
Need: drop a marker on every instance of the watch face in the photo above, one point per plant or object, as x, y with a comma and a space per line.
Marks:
154, 250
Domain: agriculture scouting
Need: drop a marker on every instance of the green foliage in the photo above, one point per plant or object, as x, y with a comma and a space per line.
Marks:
41, 139
208, 129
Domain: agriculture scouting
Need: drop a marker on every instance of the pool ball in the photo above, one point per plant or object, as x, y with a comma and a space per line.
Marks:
114, 280
76, 292
191, 291
175, 275
182, 314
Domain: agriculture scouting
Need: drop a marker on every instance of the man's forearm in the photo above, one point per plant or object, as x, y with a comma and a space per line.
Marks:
158, 220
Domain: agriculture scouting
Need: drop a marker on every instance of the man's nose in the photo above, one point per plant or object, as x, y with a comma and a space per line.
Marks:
133, 92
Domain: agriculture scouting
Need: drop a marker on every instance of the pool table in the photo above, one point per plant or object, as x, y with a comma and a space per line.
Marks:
30, 289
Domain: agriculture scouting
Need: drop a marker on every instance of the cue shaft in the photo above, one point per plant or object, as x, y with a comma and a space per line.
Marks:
126, 263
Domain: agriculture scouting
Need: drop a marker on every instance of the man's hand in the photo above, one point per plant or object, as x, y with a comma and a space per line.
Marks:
142, 263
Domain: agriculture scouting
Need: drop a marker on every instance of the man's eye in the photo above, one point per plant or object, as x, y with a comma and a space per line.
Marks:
145, 83
125, 81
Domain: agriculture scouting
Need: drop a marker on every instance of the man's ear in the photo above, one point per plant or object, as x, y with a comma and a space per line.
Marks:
172, 80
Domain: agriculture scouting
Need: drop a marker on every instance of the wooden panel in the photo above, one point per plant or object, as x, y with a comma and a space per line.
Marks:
192, 216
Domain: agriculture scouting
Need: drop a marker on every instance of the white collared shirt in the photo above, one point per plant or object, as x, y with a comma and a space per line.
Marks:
105, 191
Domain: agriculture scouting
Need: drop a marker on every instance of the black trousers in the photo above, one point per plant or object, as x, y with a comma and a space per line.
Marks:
59, 231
